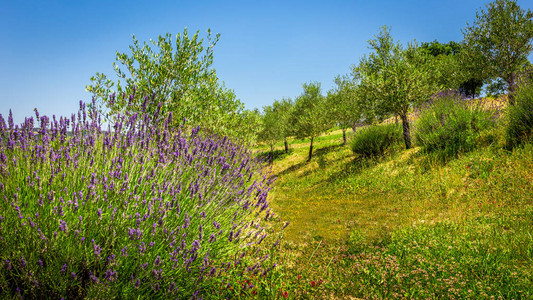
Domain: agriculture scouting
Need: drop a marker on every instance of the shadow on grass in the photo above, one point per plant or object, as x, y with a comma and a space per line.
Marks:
292, 168
353, 167
278, 154
319, 157
327, 149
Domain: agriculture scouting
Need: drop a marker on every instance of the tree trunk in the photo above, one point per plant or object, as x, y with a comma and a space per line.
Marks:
271, 154
344, 136
511, 87
286, 146
310, 150
406, 131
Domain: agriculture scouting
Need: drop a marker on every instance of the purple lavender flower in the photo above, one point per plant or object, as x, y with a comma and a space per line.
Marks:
62, 225
111, 275
96, 248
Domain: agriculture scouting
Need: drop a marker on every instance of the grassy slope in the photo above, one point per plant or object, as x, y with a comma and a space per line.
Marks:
341, 205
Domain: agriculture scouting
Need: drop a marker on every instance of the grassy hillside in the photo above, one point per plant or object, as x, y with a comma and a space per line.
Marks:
403, 225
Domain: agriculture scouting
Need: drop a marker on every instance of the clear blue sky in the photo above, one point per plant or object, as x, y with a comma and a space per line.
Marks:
267, 49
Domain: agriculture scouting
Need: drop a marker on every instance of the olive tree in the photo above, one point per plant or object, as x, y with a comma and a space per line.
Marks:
342, 105
178, 73
308, 117
270, 132
499, 40
392, 80
451, 68
283, 109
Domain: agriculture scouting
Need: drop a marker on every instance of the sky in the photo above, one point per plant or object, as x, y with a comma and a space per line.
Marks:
50, 49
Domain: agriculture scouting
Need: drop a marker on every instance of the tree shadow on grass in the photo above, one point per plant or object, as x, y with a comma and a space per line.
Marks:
327, 149
278, 155
292, 168
353, 167
319, 156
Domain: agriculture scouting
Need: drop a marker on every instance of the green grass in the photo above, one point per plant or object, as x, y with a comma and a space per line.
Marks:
404, 225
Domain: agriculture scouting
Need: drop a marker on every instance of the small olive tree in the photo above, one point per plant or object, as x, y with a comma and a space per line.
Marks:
178, 72
308, 117
342, 108
283, 109
393, 80
270, 132
499, 41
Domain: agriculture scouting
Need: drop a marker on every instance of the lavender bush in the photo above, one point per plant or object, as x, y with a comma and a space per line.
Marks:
373, 141
519, 125
134, 210
449, 125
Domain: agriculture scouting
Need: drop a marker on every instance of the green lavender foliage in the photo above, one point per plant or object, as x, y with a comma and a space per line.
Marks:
373, 141
519, 127
449, 125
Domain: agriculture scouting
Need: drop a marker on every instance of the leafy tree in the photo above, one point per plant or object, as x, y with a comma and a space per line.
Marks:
283, 111
178, 72
451, 70
342, 105
499, 41
435, 48
270, 131
308, 116
392, 80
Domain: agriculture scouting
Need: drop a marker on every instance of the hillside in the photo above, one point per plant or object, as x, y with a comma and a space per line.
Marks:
404, 225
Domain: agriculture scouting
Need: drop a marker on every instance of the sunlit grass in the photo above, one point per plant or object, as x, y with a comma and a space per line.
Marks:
341, 207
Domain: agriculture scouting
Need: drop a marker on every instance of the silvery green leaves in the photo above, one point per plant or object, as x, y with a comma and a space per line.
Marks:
393, 80
176, 71
309, 118
499, 41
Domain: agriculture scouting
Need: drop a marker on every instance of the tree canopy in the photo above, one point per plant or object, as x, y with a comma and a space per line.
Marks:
499, 40
392, 80
451, 68
178, 72
342, 104
308, 117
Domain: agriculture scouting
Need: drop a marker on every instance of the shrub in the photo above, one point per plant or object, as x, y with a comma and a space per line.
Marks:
136, 211
519, 127
372, 141
450, 125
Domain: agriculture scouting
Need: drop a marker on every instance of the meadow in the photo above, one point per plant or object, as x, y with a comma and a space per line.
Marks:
397, 184
404, 225
142, 211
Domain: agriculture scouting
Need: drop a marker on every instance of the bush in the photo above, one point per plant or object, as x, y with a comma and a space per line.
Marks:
134, 212
450, 125
519, 127
372, 141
